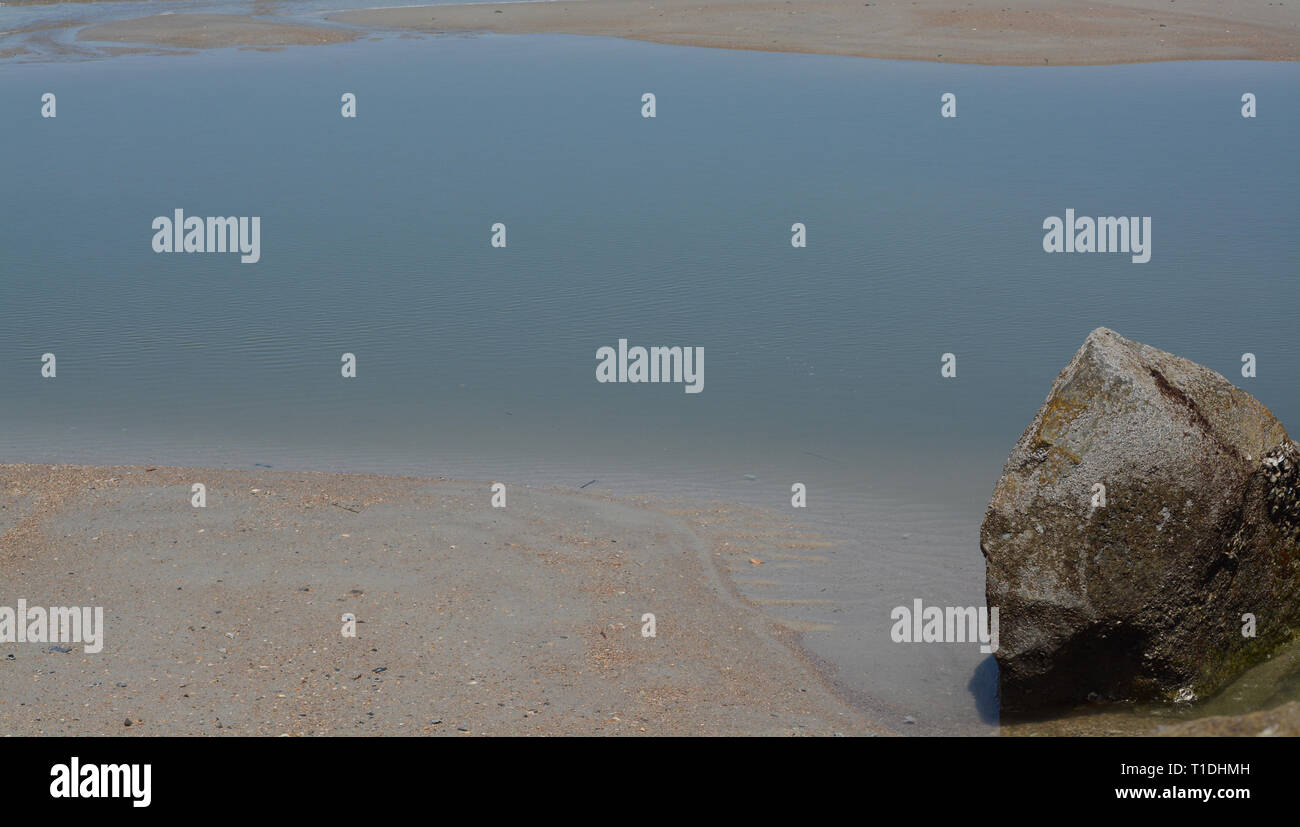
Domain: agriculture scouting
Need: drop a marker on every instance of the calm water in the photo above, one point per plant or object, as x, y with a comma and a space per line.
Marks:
822, 364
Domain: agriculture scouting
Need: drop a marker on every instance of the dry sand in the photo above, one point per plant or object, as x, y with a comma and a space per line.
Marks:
471, 619
1009, 32
1004, 32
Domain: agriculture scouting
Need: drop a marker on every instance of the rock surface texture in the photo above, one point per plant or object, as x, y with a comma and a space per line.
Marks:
1148, 506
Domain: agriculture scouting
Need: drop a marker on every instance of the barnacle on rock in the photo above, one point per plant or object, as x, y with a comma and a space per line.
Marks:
1283, 464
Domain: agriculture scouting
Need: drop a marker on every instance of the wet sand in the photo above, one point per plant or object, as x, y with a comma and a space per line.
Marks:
527, 620
212, 31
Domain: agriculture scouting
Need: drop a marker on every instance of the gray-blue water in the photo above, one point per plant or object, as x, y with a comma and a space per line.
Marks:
822, 364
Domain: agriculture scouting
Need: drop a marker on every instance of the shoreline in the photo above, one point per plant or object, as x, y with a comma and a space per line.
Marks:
523, 620
1017, 33
1006, 33
559, 591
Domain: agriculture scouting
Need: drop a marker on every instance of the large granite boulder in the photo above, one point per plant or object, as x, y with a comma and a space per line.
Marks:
1142, 597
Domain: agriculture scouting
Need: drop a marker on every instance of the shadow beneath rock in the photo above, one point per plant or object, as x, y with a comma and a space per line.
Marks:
983, 687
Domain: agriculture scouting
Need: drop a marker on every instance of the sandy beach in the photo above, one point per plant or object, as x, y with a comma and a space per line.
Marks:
232, 618
1019, 32
524, 620
997, 32
470, 620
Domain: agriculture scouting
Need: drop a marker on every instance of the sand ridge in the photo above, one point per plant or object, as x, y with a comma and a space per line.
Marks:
211, 31
995, 32
1003, 32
